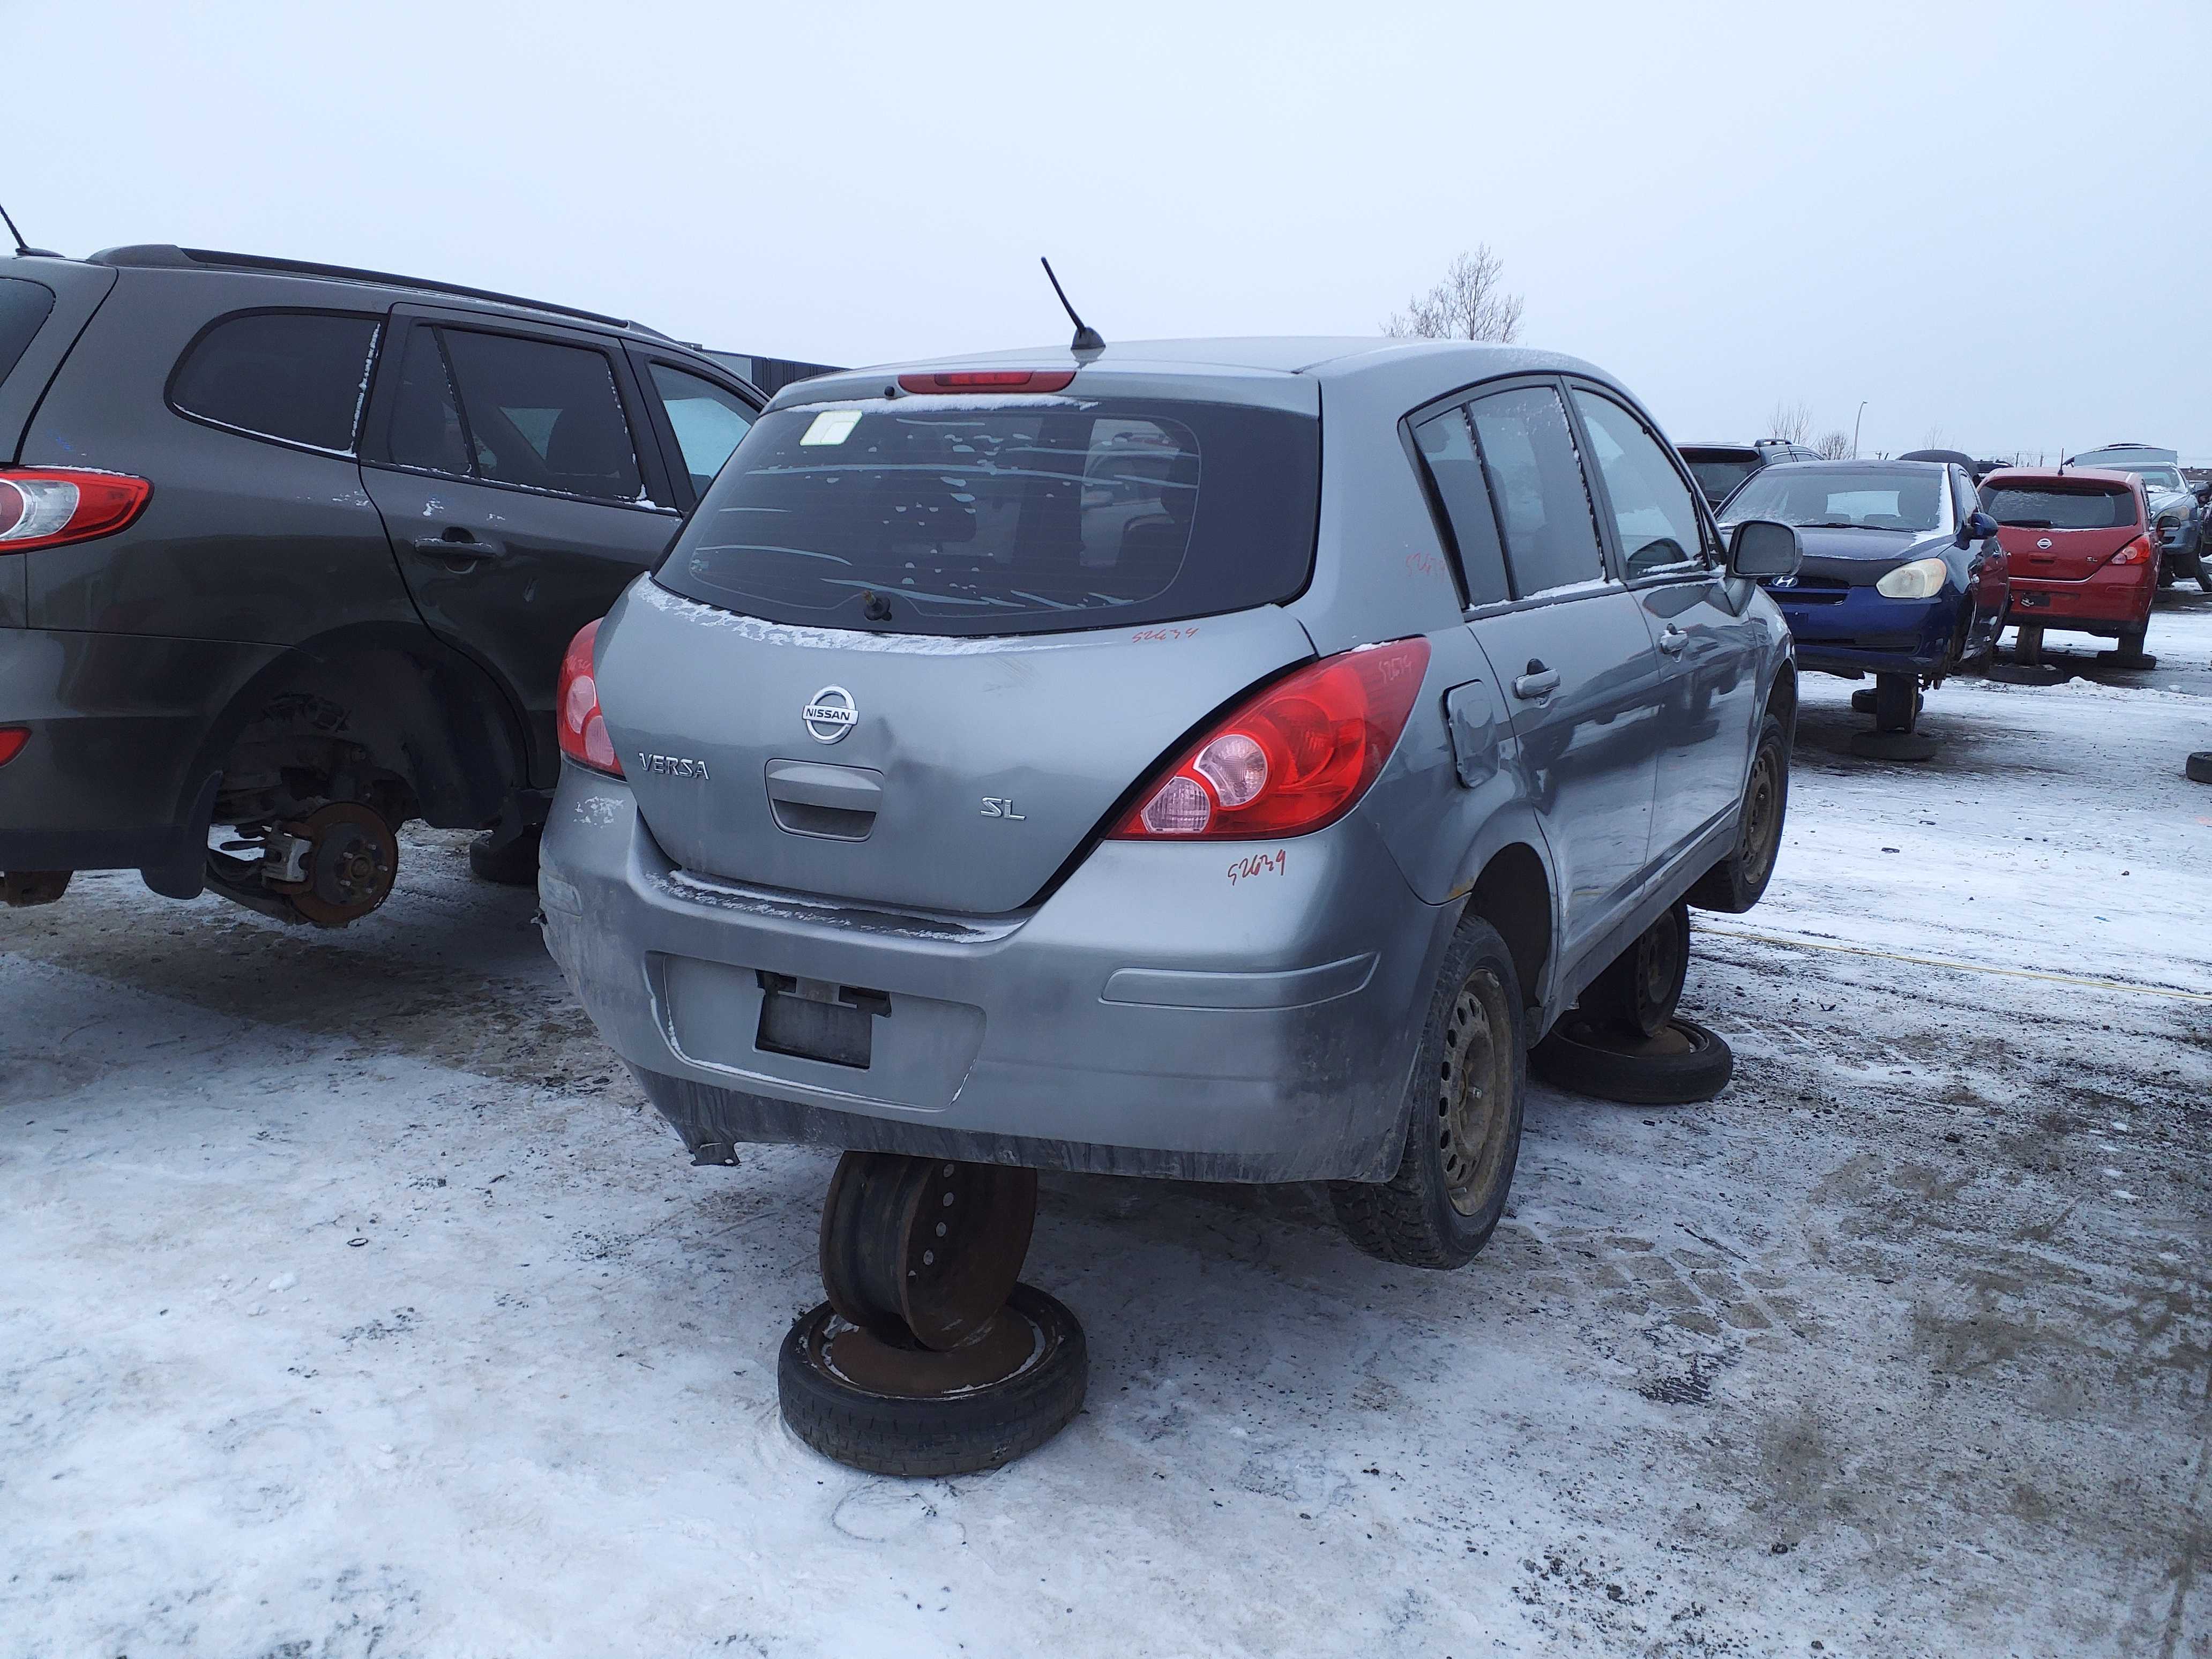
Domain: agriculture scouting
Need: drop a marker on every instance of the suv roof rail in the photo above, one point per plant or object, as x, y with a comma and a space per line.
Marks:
166, 255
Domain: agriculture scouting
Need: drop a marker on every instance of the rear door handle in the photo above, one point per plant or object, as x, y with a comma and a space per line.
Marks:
459, 547
1538, 682
1673, 640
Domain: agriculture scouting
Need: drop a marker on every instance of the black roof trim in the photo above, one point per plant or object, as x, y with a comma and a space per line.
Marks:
164, 255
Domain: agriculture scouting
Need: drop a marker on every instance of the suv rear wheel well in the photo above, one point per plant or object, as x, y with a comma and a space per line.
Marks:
412, 732
1514, 896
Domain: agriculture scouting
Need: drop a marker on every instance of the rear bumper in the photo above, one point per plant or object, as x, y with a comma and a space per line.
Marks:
109, 775
1151, 1017
1864, 632
2106, 602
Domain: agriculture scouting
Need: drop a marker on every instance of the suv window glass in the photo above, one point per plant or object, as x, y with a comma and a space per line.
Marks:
543, 415
1448, 451
1654, 517
2046, 506
296, 375
426, 421
23, 309
1015, 518
1544, 505
1716, 478
708, 420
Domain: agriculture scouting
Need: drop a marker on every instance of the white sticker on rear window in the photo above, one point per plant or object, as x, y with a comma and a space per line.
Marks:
831, 426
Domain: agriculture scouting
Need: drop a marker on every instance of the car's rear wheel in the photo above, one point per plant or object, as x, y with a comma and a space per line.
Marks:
1896, 702
1464, 1117
1735, 884
1638, 990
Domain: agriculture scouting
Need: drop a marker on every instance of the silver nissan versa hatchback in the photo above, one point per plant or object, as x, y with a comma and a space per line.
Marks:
1209, 759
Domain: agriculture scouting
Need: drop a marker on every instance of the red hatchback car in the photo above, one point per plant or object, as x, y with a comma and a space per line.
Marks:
2082, 558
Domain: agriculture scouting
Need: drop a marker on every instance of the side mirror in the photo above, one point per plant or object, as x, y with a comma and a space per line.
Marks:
1760, 548
1978, 527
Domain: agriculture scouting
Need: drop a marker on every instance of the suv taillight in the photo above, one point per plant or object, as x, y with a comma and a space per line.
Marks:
583, 729
46, 507
1295, 757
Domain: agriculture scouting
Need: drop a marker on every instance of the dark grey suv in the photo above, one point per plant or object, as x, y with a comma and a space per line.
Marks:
295, 550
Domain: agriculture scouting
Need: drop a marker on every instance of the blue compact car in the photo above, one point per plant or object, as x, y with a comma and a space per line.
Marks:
1902, 578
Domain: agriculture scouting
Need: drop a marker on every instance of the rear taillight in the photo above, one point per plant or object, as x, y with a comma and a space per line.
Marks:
46, 507
1295, 757
12, 739
2135, 552
988, 380
583, 729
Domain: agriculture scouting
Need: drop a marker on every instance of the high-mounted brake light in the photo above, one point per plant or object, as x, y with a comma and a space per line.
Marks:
1295, 757
988, 380
583, 729
46, 507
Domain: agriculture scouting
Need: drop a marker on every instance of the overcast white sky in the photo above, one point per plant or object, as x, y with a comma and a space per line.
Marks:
1989, 221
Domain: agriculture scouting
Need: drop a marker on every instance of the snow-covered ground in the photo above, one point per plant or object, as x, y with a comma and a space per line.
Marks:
350, 1305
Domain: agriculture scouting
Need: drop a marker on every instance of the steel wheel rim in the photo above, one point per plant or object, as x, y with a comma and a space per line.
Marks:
1658, 955
1475, 1091
1763, 831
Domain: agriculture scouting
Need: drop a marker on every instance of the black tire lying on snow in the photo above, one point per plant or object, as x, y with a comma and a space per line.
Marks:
1684, 1063
923, 1435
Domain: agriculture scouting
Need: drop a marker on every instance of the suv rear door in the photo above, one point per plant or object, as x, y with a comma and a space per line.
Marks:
520, 486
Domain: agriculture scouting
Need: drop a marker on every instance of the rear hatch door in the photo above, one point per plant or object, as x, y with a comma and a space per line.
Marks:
2063, 531
922, 648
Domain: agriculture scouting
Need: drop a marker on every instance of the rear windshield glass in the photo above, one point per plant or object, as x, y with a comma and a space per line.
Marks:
1718, 478
1012, 516
2041, 508
1844, 498
23, 308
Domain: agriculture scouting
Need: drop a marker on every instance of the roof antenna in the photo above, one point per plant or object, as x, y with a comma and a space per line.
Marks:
24, 247
1087, 338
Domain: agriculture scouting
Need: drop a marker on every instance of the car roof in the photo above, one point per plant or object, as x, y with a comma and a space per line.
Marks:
1899, 464
1421, 368
164, 255
2054, 474
1735, 448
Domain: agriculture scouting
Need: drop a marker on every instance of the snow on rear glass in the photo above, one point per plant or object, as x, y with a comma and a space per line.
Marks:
917, 518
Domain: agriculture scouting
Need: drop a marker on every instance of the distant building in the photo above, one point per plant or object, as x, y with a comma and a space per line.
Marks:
772, 374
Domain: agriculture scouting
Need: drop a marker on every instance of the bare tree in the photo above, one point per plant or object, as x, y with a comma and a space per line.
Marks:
1791, 423
1467, 305
1934, 437
1834, 446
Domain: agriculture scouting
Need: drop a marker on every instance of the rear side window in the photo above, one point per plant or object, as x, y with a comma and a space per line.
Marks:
2041, 506
510, 410
707, 420
1550, 529
1448, 451
24, 307
1025, 516
296, 376
1655, 519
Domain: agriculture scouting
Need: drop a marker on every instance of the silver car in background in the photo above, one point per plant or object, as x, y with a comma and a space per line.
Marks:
1207, 759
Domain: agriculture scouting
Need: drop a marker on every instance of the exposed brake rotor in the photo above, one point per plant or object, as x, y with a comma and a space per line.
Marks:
351, 859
